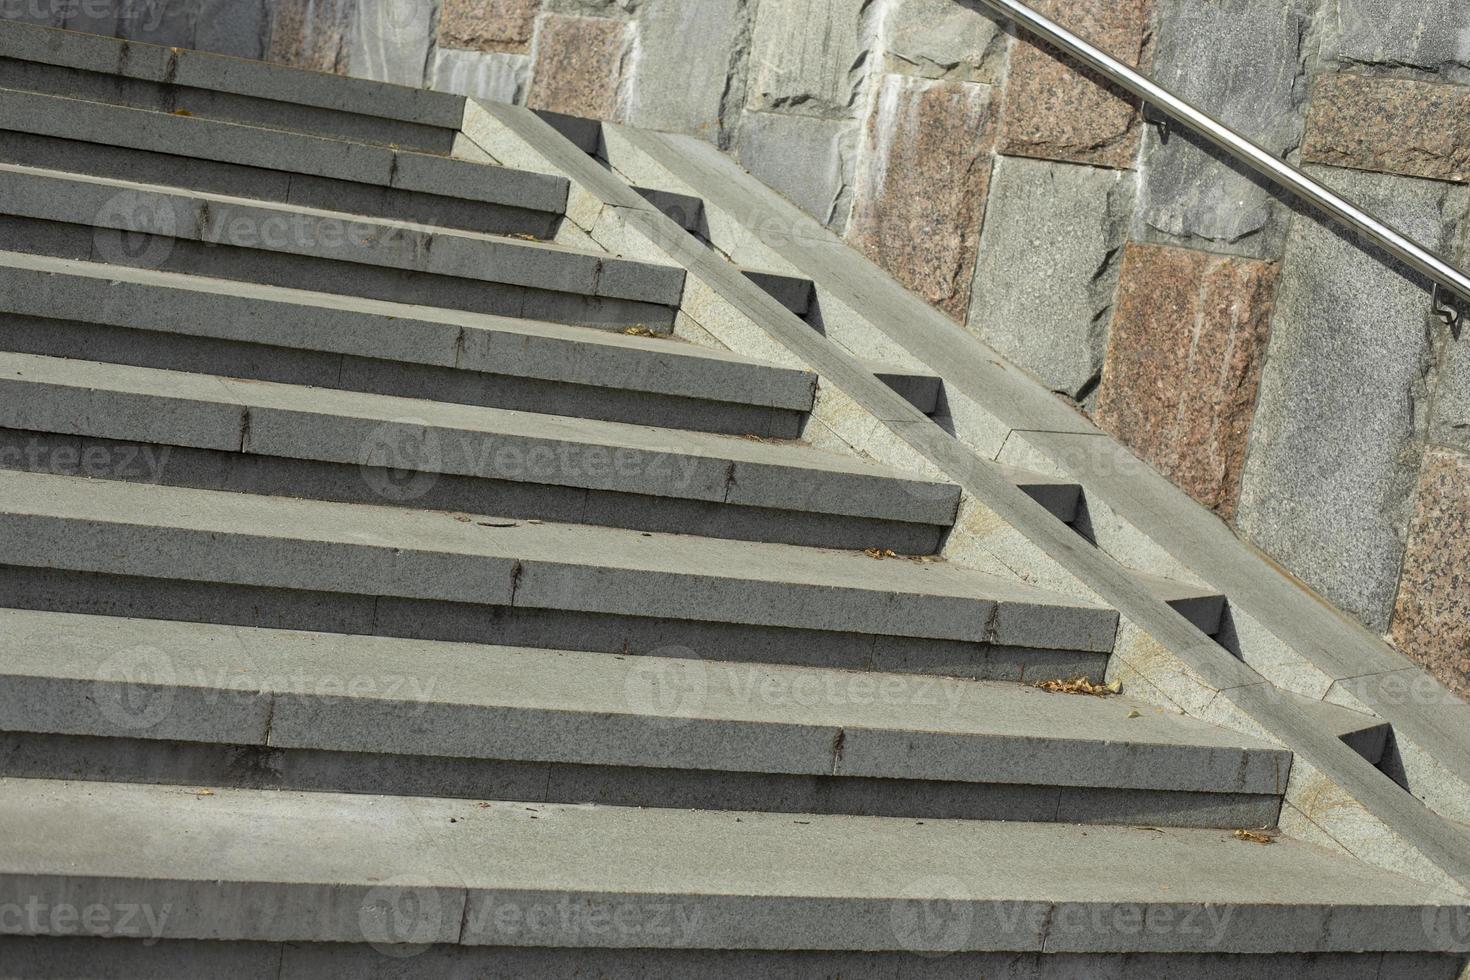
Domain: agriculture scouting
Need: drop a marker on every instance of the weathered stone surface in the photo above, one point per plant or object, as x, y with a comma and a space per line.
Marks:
1450, 415
1047, 269
235, 27
1432, 35
1391, 125
311, 34
1184, 361
1057, 112
1334, 452
807, 56
488, 25
1244, 60
491, 75
810, 161
921, 185
391, 40
47, 13
944, 39
686, 52
1431, 619
579, 66
168, 22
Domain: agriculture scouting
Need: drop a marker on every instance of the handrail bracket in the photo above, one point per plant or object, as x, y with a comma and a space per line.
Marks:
1447, 307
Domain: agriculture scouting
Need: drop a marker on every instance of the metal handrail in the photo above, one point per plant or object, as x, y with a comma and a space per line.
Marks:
1446, 277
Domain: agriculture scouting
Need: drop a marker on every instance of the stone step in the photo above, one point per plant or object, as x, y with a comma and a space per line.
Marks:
81, 545
143, 317
920, 389
1200, 604
325, 712
83, 217
325, 867
148, 76
203, 154
242, 436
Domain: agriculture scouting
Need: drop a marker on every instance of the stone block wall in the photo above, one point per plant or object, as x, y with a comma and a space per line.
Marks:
1285, 376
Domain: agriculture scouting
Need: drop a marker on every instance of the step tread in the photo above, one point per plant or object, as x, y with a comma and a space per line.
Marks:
274, 149
263, 418
281, 316
84, 199
222, 73
742, 880
166, 532
483, 701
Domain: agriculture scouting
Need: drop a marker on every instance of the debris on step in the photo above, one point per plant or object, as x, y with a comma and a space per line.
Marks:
1262, 836
1081, 685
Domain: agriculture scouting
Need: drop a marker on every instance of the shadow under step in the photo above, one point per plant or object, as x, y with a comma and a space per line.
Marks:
739, 881
202, 154
256, 93
317, 711
141, 225
1200, 604
84, 310
78, 545
214, 433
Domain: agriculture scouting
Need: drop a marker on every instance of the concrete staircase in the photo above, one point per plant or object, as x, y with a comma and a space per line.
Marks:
391, 588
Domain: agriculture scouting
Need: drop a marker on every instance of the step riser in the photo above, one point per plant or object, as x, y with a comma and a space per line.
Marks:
201, 601
204, 469
141, 94
322, 369
139, 760
45, 957
326, 275
270, 185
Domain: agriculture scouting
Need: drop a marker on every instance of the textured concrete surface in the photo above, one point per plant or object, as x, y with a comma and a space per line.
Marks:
945, 39
392, 41
1188, 340
1048, 267
246, 312
173, 408
1334, 453
806, 56
1055, 112
332, 867
568, 707
1245, 63
1427, 36
488, 25
311, 34
810, 161
921, 185
1433, 602
179, 959
691, 59
493, 75
579, 66
251, 228
173, 533
265, 149
1390, 125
